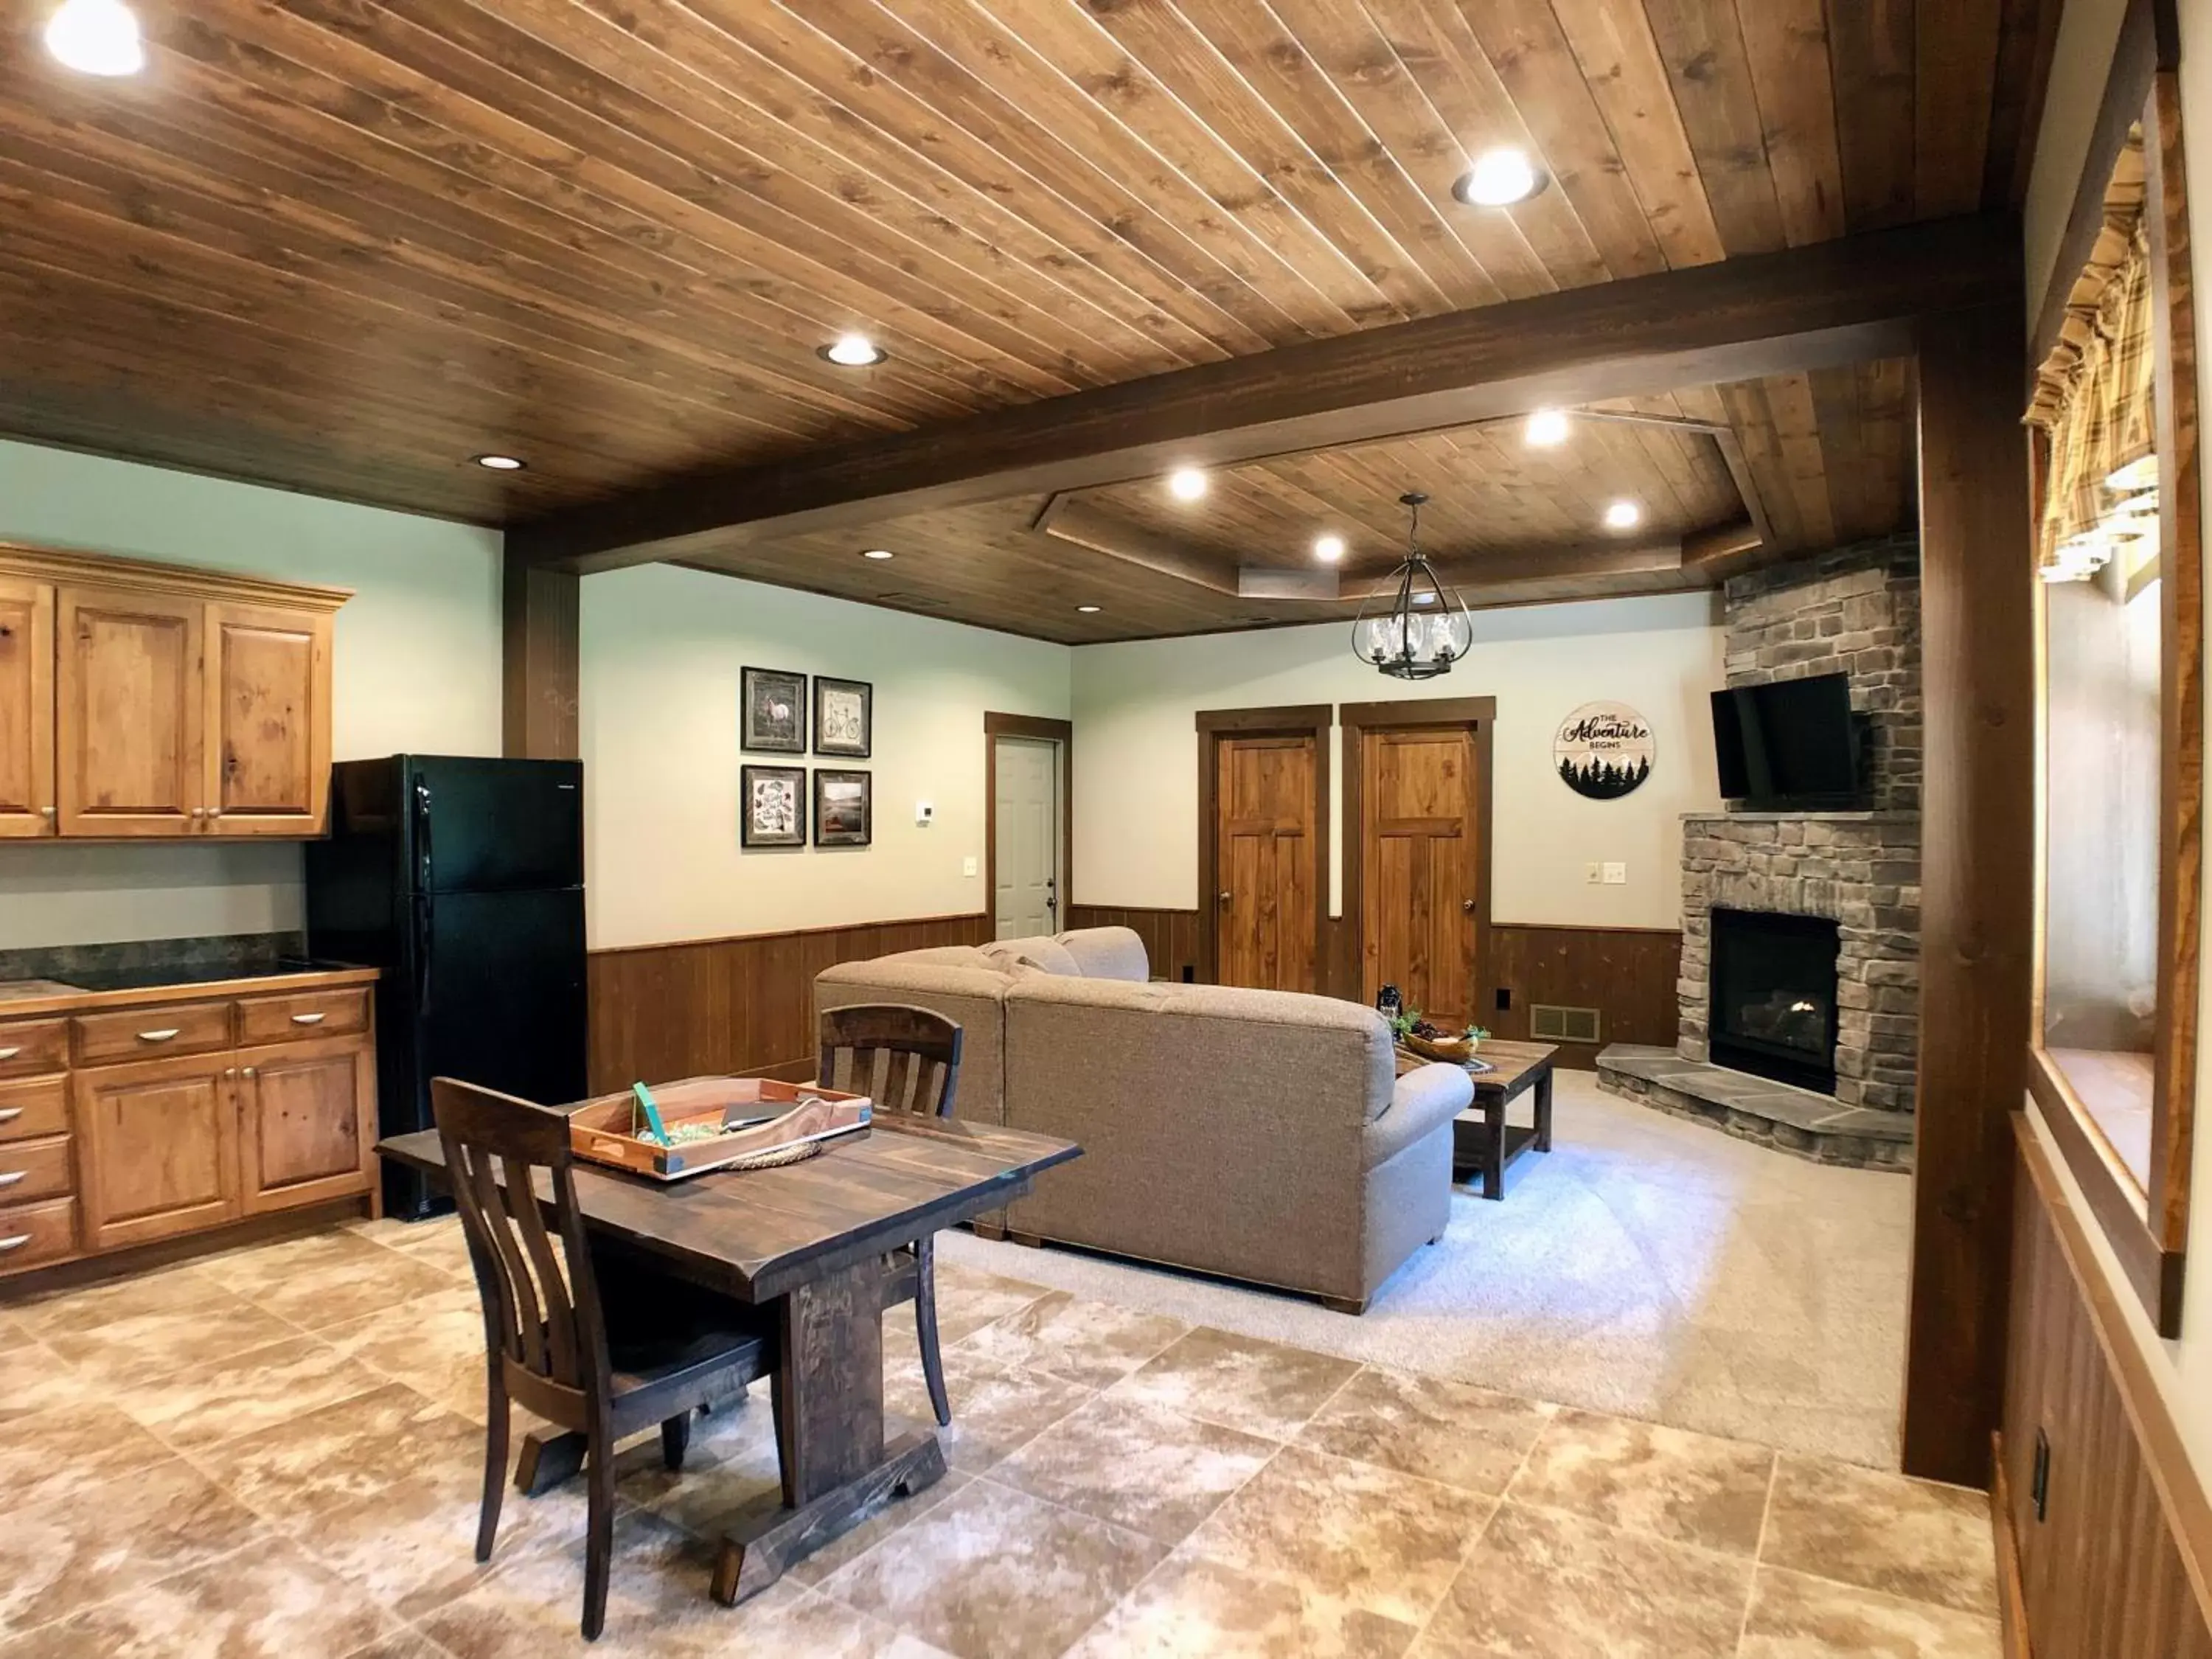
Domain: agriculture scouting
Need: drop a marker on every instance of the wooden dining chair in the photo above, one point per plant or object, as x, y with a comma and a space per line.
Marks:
606, 1361
905, 1060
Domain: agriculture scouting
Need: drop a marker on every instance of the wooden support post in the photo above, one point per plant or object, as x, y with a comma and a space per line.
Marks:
1977, 878
539, 684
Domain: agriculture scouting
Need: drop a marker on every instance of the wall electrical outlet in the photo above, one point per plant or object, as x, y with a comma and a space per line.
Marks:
968, 867
1616, 875
1593, 874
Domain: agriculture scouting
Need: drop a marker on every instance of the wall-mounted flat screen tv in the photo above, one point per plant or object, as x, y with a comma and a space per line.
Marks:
1793, 740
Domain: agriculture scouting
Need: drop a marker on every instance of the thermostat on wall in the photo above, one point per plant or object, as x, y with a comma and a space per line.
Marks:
923, 812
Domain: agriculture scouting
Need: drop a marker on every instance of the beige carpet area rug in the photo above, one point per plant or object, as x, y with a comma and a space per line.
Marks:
1645, 1267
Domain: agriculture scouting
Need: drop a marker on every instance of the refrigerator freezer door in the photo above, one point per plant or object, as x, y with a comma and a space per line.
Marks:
481, 825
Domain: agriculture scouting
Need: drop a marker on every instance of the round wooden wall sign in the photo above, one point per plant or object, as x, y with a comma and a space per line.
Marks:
1603, 750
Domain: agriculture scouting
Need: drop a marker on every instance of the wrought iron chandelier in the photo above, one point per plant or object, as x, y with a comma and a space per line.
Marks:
1412, 627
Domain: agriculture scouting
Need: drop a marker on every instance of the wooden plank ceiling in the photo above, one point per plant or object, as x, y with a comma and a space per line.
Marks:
343, 246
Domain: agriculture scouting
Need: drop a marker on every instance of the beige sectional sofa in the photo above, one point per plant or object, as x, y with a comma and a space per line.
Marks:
1256, 1134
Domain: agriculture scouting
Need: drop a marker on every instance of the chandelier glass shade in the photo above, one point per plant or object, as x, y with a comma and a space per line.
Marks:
1412, 627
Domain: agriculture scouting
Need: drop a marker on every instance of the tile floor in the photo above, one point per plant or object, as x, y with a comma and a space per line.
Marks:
276, 1452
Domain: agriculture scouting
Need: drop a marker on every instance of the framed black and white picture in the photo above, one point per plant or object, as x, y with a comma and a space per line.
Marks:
1603, 750
844, 808
844, 717
774, 806
773, 712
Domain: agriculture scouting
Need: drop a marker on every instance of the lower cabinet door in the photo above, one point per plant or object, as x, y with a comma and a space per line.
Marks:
158, 1146
308, 1122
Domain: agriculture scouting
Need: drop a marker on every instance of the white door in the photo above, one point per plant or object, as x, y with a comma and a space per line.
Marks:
1027, 856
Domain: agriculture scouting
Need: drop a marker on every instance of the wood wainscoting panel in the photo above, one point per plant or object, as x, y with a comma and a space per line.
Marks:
1170, 936
735, 1004
2115, 1566
1627, 974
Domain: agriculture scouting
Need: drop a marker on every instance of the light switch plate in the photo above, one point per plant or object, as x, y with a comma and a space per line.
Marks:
1616, 874
968, 867
1593, 874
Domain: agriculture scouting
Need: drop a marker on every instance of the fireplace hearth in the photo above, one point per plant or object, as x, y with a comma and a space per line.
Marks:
1773, 1005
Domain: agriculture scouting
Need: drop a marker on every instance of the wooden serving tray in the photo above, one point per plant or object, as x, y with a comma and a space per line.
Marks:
600, 1129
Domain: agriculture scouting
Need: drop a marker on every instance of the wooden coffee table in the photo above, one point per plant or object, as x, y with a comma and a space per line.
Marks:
1482, 1139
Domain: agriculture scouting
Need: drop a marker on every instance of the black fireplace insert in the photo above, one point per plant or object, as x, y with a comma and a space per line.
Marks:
1773, 997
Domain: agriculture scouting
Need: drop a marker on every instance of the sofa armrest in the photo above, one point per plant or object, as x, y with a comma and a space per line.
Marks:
1423, 1101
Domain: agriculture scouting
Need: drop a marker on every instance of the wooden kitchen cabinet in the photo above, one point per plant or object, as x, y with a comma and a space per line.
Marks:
307, 1121
143, 699
26, 699
158, 1148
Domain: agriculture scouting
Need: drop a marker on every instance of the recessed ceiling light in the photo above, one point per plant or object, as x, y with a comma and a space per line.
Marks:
1499, 178
1187, 483
1548, 426
1088, 610
1622, 515
851, 351
1328, 549
500, 463
875, 553
96, 37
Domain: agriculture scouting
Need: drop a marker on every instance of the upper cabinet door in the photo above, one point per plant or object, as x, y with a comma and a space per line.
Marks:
27, 707
268, 720
130, 703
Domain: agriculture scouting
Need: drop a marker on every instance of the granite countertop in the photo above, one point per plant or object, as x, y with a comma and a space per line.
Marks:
134, 986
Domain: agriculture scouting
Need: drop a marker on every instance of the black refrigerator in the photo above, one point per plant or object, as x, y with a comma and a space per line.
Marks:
463, 879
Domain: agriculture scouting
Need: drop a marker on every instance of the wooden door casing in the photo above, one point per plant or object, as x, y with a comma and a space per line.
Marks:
27, 707
158, 1148
1266, 905
1420, 838
307, 1122
268, 720
128, 712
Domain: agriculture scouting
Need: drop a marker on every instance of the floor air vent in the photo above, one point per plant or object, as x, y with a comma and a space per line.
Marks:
1550, 1024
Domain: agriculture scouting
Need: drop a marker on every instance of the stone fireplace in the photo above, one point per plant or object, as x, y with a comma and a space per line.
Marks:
1803, 929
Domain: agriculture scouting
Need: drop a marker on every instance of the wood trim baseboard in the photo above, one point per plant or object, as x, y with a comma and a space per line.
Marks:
945, 920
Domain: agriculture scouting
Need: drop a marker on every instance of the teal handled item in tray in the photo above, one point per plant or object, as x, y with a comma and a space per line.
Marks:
654, 1127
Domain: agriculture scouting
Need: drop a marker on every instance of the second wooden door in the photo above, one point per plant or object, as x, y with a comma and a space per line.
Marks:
1419, 845
1265, 834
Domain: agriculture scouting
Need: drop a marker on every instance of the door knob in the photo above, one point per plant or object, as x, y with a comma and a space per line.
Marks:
1467, 905
1222, 899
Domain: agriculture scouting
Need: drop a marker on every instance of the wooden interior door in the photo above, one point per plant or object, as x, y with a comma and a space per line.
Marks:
128, 712
27, 707
1419, 847
1266, 902
159, 1145
307, 1121
268, 720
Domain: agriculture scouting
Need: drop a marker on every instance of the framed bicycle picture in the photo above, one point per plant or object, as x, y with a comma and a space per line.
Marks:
844, 717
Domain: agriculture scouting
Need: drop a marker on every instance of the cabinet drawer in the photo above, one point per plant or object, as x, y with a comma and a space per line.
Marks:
155, 1033
308, 1014
32, 1045
38, 1107
39, 1232
32, 1169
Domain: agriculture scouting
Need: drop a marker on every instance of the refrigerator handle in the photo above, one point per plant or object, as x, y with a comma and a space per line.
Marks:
423, 834
423, 934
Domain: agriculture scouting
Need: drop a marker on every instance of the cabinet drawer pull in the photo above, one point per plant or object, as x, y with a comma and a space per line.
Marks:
16, 1242
9, 1114
309, 1019
9, 1054
10, 1177
161, 1035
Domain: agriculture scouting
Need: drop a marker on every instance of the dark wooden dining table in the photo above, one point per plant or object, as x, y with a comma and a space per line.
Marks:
806, 1243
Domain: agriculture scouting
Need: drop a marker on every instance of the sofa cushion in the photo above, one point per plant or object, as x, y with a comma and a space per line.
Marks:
1109, 953
1037, 955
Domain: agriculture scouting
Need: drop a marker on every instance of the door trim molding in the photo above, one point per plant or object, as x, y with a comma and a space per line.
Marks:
1047, 730
1480, 716
1311, 720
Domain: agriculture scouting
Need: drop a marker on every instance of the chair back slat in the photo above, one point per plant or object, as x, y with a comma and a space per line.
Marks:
541, 1305
906, 1060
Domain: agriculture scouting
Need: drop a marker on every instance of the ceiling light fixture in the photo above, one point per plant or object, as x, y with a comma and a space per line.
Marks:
1087, 610
875, 553
1622, 515
499, 463
1328, 549
1186, 483
1400, 638
1499, 178
1548, 426
851, 351
96, 37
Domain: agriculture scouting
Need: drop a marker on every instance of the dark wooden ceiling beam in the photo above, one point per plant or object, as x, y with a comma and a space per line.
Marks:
1835, 302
